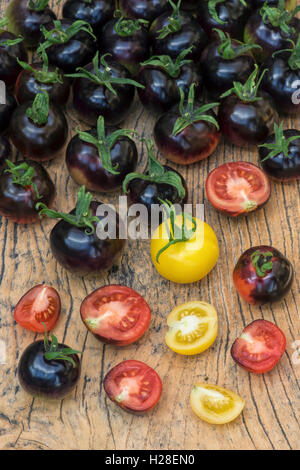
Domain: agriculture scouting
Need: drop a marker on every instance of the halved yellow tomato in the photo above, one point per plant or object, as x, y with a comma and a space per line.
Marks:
214, 404
193, 327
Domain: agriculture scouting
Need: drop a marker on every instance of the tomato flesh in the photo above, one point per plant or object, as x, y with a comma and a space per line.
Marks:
134, 386
116, 314
260, 347
236, 188
39, 305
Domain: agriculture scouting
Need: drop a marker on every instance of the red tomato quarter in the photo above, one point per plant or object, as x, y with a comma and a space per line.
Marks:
260, 347
116, 314
236, 188
134, 386
39, 305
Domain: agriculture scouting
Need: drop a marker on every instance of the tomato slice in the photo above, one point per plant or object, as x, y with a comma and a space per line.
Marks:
39, 305
193, 327
260, 346
237, 188
134, 386
216, 405
116, 314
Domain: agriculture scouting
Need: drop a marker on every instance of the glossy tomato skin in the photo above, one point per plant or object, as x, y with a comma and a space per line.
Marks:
47, 379
90, 99
27, 23
145, 9
17, 203
232, 12
245, 123
118, 329
260, 347
9, 67
77, 52
219, 74
36, 142
194, 143
85, 166
6, 112
189, 35
84, 254
142, 400
96, 12
26, 87
273, 286
5, 150
282, 168
161, 91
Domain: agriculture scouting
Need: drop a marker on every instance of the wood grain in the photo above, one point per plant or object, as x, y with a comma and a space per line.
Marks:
87, 419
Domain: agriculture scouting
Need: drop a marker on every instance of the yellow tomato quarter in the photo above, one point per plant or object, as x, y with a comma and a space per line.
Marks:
193, 327
187, 261
216, 405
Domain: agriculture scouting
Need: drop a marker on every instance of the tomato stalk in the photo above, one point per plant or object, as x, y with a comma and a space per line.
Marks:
53, 352
281, 144
165, 62
44, 75
294, 59
212, 4
247, 91
226, 50
127, 27
262, 262
278, 16
22, 175
175, 21
37, 5
8, 42
39, 111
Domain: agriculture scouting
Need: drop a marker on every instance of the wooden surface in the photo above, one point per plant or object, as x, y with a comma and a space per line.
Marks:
87, 419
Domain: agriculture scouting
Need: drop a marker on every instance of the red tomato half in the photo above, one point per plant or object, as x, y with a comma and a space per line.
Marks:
41, 304
116, 314
236, 188
260, 347
134, 386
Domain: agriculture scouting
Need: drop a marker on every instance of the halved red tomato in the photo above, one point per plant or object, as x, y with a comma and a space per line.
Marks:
39, 305
237, 188
260, 346
134, 386
116, 314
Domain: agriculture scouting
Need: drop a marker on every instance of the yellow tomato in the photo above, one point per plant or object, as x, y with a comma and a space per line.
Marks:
193, 328
185, 261
216, 405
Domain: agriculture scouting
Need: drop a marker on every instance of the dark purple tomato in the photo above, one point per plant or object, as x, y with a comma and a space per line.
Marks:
44, 378
262, 274
6, 111
9, 67
28, 85
143, 9
38, 142
283, 166
5, 150
27, 22
81, 253
85, 167
94, 12
232, 13
246, 123
17, 202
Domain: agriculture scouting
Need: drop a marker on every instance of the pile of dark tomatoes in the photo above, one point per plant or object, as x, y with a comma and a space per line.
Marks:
205, 69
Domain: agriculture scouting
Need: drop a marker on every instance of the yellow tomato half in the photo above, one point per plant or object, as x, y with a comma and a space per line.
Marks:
188, 261
193, 328
216, 405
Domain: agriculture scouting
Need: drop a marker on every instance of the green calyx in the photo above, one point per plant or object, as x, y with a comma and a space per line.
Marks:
174, 21
126, 27
104, 77
54, 353
105, 143
281, 144
294, 59
44, 75
262, 262
212, 8
190, 114
8, 42
82, 218
165, 62
39, 111
22, 175
247, 92
228, 52
58, 35
37, 5
176, 233
156, 173
278, 16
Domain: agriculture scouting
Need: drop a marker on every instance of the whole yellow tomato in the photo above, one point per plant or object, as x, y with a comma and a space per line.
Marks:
184, 261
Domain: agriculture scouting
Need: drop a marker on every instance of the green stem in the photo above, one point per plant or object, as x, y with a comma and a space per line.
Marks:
174, 21
247, 91
281, 145
22, 175
262, 262
165, 62
55, 353
39, 111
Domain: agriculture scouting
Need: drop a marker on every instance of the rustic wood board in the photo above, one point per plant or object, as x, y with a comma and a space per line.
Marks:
87, 419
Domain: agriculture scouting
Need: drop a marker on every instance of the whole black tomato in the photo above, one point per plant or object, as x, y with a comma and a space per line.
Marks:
262, 274
279, 155
48, 378
145, 9
9, 67
22, 185
102, 158
26, 18
229, 16
6, 111
94, 12
5, 150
